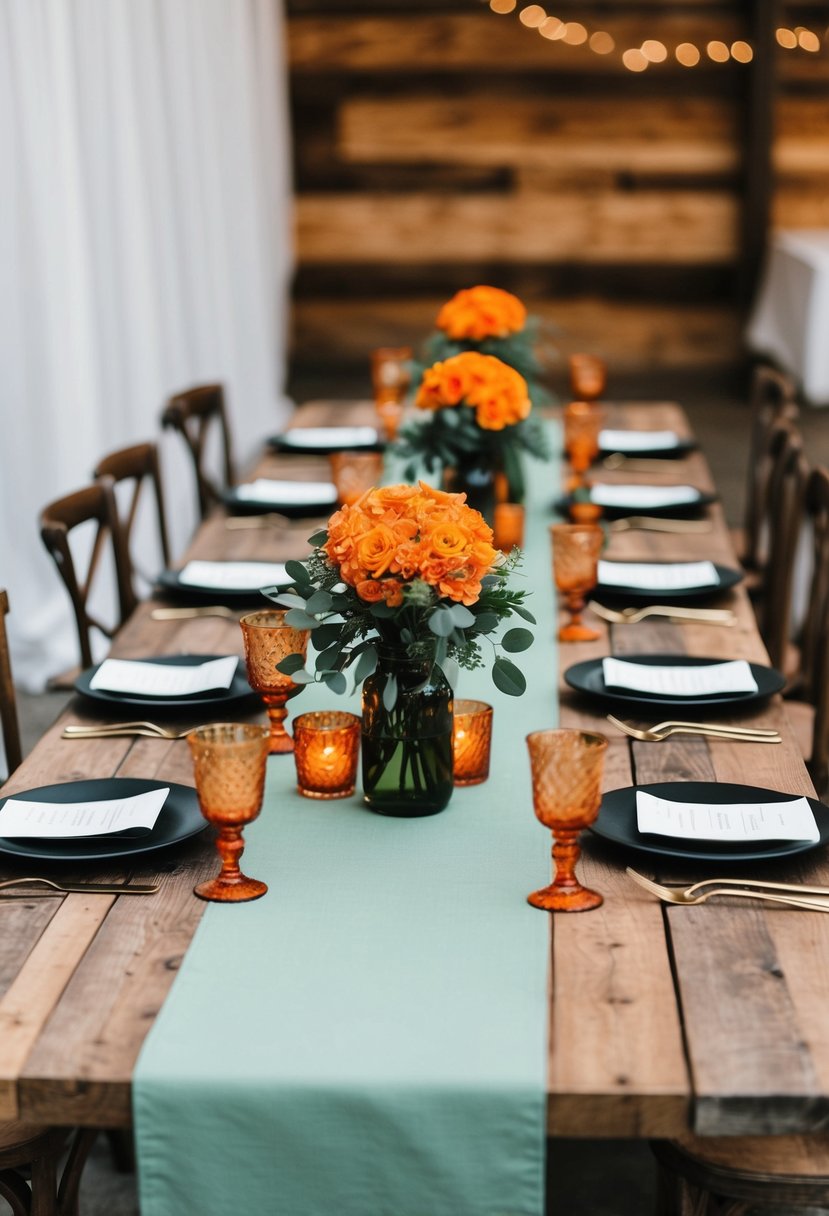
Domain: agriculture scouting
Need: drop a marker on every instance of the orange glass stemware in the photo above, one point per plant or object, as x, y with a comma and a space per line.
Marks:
229, 760
353, 473
582, 425
390, 378
576, 549
567, 768
588, 376
268, 640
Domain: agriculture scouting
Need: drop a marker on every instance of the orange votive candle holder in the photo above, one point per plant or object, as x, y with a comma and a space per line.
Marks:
326, 745
471, 741
508, 526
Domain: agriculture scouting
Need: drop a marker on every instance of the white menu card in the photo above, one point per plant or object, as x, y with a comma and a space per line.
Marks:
736, 821
62, 820
658, 576
233, 576
290, 493
164, 679
637, 441
665, 681
643, 496
332, 436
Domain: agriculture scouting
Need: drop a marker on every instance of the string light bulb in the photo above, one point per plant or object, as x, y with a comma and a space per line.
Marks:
552, 28
602, 43
687, 54
718, 51
634, 60
532, 16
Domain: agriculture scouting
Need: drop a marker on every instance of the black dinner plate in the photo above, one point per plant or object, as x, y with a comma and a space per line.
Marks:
588, 678
292, 441
179, 819
674, 510
727, 578
169, 581
682, 449
323, 505
617, 822
219, 699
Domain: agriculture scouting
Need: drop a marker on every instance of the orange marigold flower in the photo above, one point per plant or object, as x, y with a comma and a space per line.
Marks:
496, 391
482, 312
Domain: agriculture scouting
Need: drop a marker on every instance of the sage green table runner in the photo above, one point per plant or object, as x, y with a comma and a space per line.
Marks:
370, 1038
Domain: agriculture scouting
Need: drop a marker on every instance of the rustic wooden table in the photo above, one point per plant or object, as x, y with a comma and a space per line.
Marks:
710, 1018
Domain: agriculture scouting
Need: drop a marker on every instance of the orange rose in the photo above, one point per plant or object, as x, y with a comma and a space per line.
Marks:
482, 312
392, 592
376, 548
496, 391
370, 590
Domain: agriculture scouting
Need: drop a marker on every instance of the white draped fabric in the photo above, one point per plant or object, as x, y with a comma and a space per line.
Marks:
144, 247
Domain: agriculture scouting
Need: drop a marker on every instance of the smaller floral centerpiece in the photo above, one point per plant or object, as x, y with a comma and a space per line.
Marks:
479, 422
403, 588
490, 321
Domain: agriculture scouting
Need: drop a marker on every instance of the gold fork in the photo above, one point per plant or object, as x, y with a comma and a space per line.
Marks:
649, 523
149, 730
66, 888
792, 887
630, 616
816, 903
664, 730
177, 614
273, 518
640, 464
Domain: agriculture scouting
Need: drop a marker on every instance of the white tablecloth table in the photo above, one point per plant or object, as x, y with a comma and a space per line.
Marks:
790, 320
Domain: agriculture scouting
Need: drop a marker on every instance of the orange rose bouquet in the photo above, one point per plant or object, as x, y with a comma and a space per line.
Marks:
408, 567
490, 321
477, 423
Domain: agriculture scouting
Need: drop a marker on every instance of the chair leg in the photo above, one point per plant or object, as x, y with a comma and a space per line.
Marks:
122, 1149
16, 1193
70, 1181
44, 1185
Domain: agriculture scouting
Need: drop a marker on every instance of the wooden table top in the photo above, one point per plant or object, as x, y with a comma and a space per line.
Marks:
711, 1018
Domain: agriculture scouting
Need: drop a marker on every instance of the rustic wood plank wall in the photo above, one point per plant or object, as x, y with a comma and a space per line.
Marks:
439, 144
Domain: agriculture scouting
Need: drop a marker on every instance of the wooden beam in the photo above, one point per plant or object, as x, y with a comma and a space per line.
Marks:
759, 139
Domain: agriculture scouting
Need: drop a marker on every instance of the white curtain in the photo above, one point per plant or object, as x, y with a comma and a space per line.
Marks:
144, 247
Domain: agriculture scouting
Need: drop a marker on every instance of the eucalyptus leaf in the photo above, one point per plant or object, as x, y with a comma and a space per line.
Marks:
489, 581
288, 600
290, 664
516, 640
325, 635
298, 571
319, 538
461, 616
320, 601
507, 678
303, 677
390, 692
451, 670
381, 610
441, 622
298, 618
366, 665
335, 680
329, 658
524, 613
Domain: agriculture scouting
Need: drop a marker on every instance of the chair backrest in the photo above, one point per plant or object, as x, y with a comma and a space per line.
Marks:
97, 504
193, 413
788, 476
772, 401
137, 464
813, 677
8, 702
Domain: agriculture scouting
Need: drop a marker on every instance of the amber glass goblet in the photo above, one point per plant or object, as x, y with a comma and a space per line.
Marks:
471, 741
390, 378
567, 770
268, 640
582, 425
588, 376
229, 760
353, 473
508, 526
326, 747
576, 549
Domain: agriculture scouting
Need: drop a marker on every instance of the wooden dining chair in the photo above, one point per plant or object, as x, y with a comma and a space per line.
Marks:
8, 700
138, 465
734, 1176
195, 413
772, 401
31, 1179
96, 505
788, 473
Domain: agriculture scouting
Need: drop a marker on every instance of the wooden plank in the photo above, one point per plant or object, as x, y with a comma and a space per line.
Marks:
483, 41
684, 135
629, 334
638, 227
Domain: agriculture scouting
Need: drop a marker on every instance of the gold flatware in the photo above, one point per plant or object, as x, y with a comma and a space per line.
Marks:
148, 729
815, 903
180, 614
639, 464
84, 888
272, 519
630, 616
664, 730
649, 523
792, 887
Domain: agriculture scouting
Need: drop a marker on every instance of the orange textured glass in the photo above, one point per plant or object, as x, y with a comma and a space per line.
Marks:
268, 640
229, 760
390, 378
355, 472
326, 745
588, 376
576, 549
471, 741
567, 767
508, 526
582, 424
